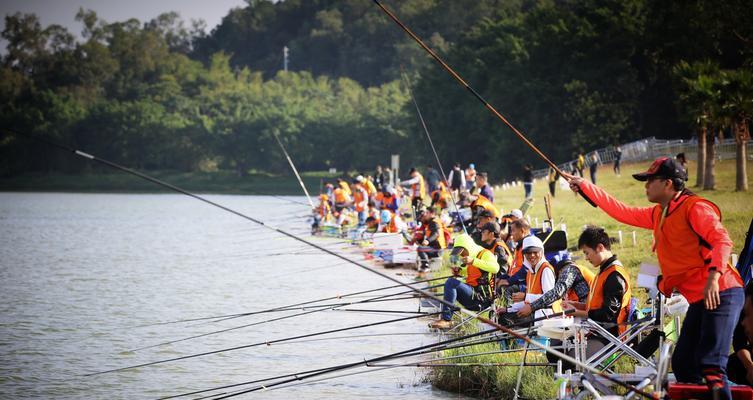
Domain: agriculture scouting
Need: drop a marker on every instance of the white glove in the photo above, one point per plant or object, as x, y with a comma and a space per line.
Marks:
677, 305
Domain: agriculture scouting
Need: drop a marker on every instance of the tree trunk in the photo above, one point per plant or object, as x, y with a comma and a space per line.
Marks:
709, 177
742, 135
701, 157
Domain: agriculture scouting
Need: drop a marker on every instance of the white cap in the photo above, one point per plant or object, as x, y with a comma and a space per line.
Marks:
359, 178
532, 241
516, 213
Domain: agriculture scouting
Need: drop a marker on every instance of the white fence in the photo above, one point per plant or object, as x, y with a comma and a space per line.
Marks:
650, 149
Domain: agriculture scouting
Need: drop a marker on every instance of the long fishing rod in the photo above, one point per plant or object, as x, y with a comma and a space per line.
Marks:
431, 143
475, 94
295, 375
424, 349
451, 306
279, 308
266, 342
385, 297
295, 170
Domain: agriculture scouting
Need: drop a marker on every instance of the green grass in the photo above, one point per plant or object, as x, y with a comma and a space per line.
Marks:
204, 182
538, 382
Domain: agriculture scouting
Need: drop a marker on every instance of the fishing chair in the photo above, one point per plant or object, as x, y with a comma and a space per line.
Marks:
640, 341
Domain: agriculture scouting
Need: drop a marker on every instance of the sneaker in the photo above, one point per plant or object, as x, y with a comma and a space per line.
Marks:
441, 324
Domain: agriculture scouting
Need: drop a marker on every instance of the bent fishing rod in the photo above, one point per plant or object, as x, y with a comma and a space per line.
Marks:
317, 309
447, 344
475, 94
295, 170
451, 306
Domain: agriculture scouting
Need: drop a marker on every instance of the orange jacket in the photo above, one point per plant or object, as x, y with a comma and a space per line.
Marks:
596, 296
341, 197
688, 241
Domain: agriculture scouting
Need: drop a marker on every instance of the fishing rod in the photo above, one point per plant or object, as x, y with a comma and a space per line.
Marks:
453, 307
335, 368
424, 349
385, 297
267, 342
475, 94
295, 170
282, 308
431, 143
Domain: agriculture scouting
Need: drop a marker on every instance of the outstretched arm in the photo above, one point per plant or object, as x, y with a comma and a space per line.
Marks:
640, 217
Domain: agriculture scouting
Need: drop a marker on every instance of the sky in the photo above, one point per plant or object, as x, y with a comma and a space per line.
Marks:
63, 12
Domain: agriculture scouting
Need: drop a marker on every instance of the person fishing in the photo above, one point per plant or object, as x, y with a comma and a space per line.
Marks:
483, 218
432, 239
472, 281
360, 200
540, 279
386, 199
693, 249
573, 284
489, 240
740, 364
609, 295
417, 189
322, 213
514, 280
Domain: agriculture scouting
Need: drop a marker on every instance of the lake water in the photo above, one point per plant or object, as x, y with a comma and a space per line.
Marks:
80, 274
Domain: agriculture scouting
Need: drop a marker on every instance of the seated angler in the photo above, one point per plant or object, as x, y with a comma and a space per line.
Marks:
514, 279
322, 213
740, 364
573, 283
433, 239
609, 298
540, 279
471, 285
490, 241
484, 217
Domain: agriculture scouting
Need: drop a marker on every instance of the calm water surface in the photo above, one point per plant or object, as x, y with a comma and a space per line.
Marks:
80, 274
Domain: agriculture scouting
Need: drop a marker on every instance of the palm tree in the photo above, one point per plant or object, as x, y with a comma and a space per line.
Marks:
738, 105
698, 97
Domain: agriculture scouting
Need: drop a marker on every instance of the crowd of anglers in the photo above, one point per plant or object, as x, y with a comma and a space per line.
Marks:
497, 257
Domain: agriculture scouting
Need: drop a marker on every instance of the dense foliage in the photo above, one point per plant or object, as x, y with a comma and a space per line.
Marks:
570, 74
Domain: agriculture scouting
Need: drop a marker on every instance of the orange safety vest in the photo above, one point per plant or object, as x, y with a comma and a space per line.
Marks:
359, 197
596, 295
392, 226
482, 201
517, 262
418, 189
324, 209
370, 188
340, 196
344, 186
683, 256
441, 237
533, 284
476, 276
588, 275
506, 249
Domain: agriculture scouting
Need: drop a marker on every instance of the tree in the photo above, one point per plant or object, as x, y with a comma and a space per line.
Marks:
738, 105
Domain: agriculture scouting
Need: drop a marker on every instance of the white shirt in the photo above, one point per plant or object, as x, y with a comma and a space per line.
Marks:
547, 284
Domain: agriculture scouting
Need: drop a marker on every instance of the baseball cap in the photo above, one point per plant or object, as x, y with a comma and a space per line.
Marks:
491, 227
485, 214
516, 213
532, 243
664, 167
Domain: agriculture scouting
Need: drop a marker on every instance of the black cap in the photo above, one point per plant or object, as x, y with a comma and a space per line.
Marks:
491, 227
663, 167
485, 214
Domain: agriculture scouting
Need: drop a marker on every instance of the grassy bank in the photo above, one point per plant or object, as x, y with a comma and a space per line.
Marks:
203, 182
537, 383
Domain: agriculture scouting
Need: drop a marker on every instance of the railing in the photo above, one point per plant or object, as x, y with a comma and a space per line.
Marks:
650, 149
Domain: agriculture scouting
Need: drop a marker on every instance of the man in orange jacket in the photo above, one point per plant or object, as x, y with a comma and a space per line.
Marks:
693, 249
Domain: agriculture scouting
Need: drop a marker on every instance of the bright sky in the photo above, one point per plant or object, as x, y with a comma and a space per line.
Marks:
63, 12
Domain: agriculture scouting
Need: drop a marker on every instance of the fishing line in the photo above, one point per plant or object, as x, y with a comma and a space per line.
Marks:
295, 170
431, 143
